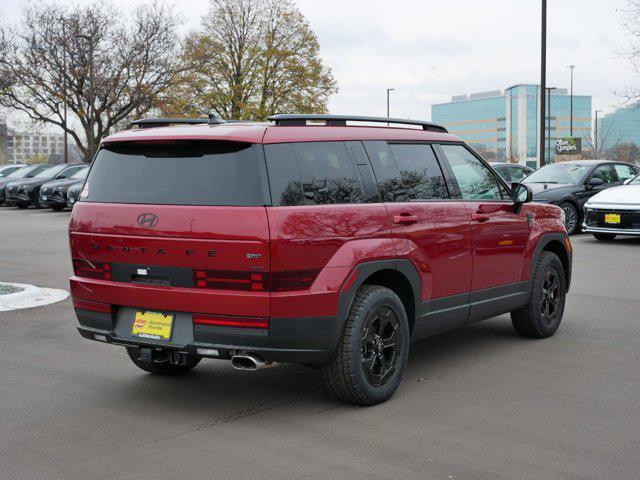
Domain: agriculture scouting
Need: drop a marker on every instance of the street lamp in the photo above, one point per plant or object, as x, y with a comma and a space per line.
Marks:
548, 115
595, 140
388, 90
543, 78
571, 67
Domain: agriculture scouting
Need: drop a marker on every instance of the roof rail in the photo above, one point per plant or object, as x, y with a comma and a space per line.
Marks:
341, 120
165, 122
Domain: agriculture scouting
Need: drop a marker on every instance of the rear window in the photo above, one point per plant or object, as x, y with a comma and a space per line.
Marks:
181, 173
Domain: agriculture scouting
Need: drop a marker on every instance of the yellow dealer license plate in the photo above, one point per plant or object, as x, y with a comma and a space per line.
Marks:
152, 325
612, 218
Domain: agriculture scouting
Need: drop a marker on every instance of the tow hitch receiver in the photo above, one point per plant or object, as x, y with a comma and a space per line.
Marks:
157, 355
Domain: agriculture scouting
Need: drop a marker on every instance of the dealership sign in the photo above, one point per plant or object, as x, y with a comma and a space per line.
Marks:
568, 146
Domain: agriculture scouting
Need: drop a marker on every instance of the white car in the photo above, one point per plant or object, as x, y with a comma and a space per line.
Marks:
615, 211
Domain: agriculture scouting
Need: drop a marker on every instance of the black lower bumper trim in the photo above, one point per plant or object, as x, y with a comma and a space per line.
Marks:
295, 340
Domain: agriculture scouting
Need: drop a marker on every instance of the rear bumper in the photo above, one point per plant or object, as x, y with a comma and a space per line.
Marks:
296, 340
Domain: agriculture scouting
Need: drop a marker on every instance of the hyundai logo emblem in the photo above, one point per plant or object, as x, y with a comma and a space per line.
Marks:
147, 219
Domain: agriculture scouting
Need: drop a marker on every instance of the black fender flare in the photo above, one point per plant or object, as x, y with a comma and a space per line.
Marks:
544, 240
365, 270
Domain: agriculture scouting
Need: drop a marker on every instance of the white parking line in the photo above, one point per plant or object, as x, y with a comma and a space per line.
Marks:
47, 213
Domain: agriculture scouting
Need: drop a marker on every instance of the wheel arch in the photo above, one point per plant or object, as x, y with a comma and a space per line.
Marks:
400, 276
556, 243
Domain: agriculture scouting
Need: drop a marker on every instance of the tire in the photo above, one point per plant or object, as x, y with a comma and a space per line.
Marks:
160, 364
571, 217
541, 317
604, 237
22, 205
57, 208
363, 371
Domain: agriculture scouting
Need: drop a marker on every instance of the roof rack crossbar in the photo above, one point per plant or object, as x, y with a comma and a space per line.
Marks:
164, 122
341, 120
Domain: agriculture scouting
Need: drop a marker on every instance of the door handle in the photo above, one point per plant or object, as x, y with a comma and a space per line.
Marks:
480, 217
405, 219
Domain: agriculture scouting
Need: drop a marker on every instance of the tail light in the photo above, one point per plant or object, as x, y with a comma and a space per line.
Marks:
231, 280
91, 306
255, 281
91, 269
246, 322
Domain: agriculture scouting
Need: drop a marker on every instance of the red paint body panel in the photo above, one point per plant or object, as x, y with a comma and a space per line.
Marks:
547, 220
217, 238
330, 238
499, 243
221, 302
439, 244
250, 133
266, 134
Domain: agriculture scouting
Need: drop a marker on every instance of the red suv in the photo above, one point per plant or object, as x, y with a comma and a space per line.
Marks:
308, 240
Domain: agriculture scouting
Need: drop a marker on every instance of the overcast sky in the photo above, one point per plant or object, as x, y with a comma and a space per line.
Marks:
429, 50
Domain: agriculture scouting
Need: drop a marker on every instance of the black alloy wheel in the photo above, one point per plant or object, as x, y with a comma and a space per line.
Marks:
550, 296
381, 346
372, 352
542, 315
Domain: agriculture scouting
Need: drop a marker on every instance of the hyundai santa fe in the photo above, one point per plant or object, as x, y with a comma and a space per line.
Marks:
313, 239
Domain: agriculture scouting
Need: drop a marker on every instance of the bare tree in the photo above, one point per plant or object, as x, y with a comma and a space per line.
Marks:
624, 152
103, 65
631, 24
597, 146
252, 58
511, 153
486, 153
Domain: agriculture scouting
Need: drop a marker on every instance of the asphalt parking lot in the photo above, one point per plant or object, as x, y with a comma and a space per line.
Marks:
479, 403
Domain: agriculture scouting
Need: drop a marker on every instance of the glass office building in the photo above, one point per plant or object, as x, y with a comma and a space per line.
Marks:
621, 126
506, 122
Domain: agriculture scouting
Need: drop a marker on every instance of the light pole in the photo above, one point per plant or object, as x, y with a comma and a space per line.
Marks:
595, 139
91, 119
548, 115
388, 90
571, 67
543, 78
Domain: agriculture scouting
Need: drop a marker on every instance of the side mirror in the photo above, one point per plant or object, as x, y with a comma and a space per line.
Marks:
595, 182
520, 194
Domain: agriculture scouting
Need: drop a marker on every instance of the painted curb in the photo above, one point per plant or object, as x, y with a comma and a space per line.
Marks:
31, 296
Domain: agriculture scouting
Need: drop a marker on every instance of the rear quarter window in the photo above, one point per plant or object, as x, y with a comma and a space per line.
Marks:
312, 173
180, 173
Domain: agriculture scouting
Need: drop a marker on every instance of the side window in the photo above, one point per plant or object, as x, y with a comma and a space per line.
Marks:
624, 172
476, 181
604, 172
517, 173
328, 174
284, 176
421, 176
70, 171
502, 171
386, 171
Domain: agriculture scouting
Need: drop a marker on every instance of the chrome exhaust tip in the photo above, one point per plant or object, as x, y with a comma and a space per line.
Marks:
247, 361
